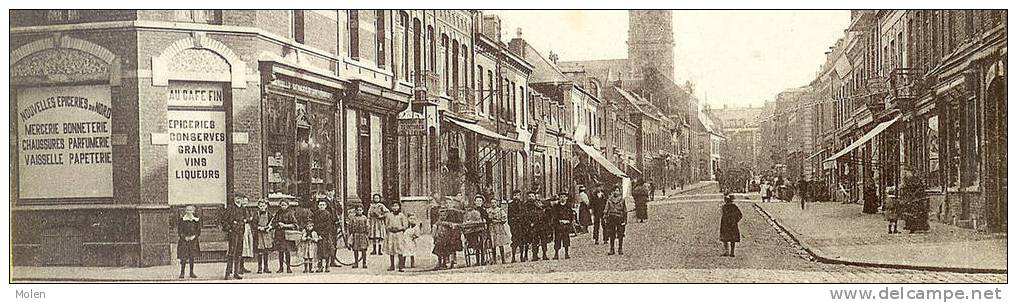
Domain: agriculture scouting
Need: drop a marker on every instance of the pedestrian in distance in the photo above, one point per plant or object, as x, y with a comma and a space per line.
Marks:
729, 234
562, 217
615, 217
188, 231
517, 225
308, 246
359, 235
891, 212
262, 235
233, 219
641, 194
499, 236
802, 192
584, 216
396, 224
765, 191
283, 222
597, 201
434, 205
376, 214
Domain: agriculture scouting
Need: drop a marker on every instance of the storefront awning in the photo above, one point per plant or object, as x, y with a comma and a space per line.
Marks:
634, 169
816, 154
504, 142
600, 159
864, 139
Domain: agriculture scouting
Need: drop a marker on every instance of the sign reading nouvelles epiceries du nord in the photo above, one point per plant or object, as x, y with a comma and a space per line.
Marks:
64, 148
196, 150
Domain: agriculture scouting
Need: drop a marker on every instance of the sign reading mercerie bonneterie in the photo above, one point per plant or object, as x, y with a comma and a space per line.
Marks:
64, 146
196, 152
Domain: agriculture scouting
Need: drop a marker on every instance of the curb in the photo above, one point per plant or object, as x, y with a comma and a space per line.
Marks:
812, 255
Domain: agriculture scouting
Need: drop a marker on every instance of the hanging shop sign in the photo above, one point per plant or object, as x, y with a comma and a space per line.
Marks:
196, 157
412, 124
64, 146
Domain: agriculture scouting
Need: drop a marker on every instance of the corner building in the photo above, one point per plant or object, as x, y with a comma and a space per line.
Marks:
133, 114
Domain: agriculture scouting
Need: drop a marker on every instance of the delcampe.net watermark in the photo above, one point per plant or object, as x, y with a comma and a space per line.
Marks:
916, 294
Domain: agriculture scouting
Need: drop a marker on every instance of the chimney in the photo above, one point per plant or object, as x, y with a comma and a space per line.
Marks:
553, 57
492, 27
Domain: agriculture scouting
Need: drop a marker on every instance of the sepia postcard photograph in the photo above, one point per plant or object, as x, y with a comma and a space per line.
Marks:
447, 145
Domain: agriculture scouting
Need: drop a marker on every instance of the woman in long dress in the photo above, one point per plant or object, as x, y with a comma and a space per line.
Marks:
447, 235
640, 195
729, 233
396, 224
499, 236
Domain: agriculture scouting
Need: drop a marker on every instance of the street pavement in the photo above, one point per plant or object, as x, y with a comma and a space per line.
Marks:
842, 232
678, 244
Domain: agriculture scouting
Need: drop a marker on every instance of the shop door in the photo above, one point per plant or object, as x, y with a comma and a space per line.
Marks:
995, 155
302, 170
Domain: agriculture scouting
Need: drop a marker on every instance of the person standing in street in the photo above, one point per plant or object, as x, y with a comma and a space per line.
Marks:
640, 195
499, 237
188, 231
597, 202
584, 210
561, 216
233, 220
540, 229
729, 234
284, 220
615, 215
262, 235
325, 221
396, 224
376, 214
802, 191
764, 191
517, 225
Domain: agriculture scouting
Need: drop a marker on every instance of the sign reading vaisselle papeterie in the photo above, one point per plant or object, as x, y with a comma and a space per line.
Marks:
64, 147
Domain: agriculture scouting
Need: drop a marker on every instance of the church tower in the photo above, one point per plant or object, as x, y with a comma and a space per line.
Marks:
651, 41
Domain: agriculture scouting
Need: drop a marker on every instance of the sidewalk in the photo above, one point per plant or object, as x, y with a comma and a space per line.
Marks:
841, 233
213, 272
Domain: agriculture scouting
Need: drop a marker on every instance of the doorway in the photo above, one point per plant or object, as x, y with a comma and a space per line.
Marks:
995, 155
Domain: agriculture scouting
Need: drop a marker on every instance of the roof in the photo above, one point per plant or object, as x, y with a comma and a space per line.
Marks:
544, 70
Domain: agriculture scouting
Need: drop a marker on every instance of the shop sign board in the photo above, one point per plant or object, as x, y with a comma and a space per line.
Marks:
196, 157
64, 147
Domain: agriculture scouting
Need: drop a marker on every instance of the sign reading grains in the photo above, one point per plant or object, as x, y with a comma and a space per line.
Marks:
64, 148
196, 153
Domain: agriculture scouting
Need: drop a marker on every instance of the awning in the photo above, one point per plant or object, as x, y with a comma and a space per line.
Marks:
600, 159
633, 168
816, 154
861, 141
504, 142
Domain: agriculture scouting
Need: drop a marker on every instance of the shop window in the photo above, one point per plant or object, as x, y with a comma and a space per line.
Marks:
932, 149
297, 25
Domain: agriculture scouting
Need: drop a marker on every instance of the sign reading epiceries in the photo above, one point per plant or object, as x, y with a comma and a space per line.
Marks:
196, 157
64, 148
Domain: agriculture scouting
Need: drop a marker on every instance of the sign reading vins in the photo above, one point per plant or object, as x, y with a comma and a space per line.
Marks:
196, 151
196, 157
64, 148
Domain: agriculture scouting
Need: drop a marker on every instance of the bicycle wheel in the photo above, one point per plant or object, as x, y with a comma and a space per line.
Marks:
343, 253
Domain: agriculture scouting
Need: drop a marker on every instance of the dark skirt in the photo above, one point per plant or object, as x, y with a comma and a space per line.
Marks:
447, 240
641, 209
188, 249
584, 215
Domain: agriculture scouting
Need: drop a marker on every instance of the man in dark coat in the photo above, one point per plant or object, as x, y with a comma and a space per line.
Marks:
540, 231
803, 189
561, 217
233, 219
729, 234
597, 200
517, 224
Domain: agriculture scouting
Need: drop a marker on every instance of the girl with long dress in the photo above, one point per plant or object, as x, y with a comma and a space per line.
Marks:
376, 214
640, 195
188, 231
396, 224
262, 236
447, 235
499, 236
729, 234
308, 248
359, 229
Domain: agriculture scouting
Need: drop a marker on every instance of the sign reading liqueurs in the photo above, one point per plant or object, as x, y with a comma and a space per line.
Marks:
196, 157
64, 148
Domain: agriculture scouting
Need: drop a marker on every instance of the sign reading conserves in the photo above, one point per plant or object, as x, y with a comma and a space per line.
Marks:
196, 157
64, 147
